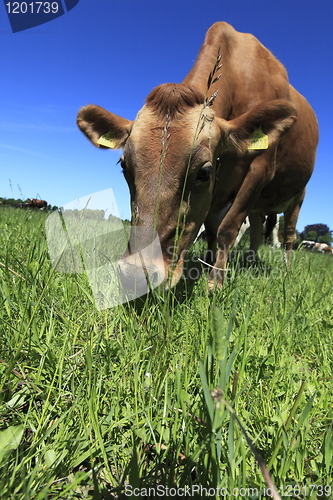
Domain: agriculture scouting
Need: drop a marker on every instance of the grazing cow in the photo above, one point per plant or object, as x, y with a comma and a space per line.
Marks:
34, 203
316, 247
236, 132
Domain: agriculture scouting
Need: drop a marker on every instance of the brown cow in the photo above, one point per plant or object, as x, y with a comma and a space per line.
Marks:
34, 203
195, 146
316, 247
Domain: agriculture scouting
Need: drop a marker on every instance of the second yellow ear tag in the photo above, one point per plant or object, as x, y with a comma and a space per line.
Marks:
107, 141
259, 140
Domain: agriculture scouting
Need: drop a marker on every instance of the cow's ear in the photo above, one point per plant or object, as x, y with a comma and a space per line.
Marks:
259, 128
104, 129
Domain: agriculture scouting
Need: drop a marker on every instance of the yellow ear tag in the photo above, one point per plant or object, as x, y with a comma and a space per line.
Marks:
106, 140
259, 140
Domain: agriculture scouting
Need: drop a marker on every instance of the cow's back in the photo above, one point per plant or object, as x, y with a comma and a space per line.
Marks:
250, 73
305, 129
295, 158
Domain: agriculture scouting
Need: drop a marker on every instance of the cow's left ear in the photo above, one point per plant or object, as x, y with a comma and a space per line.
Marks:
104, 129
268, 120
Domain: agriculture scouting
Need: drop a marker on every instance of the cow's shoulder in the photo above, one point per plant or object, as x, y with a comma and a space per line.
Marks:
248, 67
220, 28
223, 33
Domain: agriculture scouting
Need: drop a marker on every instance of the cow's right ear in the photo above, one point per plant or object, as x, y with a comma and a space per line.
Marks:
273, 119
104, 129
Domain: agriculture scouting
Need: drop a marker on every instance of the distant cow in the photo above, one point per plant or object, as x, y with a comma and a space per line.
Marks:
34, 203
316, 247
235, 133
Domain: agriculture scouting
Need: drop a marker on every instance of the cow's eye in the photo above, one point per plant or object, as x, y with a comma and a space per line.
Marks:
204, 173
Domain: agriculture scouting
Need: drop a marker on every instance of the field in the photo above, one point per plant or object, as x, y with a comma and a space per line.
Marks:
109, 404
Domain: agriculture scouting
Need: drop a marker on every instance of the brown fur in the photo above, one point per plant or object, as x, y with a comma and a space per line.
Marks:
35, 203
173, 99
184, 162
95, 121
279, 112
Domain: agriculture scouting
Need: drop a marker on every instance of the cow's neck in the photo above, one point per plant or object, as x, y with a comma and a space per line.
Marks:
244, 81
203, 66
198, 77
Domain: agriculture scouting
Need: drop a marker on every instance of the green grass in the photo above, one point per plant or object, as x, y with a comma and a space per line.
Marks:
96, 403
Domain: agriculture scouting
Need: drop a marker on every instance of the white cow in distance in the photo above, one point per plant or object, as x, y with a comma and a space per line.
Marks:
316, 247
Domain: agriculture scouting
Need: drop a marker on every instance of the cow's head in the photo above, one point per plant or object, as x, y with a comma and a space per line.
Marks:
169, 159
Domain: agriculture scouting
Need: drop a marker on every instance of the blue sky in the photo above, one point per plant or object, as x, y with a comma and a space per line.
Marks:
112, 54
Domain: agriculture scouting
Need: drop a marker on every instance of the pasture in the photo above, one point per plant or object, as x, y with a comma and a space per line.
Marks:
106, 404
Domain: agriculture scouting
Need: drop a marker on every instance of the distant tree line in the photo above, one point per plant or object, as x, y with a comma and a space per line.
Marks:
89, 213
18, 203
320, 233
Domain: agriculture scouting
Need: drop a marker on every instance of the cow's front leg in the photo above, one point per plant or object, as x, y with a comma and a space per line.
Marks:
290, 221
212, 224
256, 225
218, 272
226, 235
256, 178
